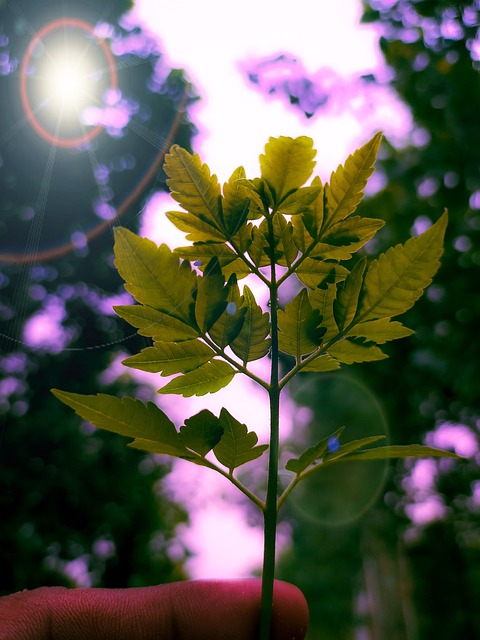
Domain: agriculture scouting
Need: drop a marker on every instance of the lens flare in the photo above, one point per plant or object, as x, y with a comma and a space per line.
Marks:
66, 68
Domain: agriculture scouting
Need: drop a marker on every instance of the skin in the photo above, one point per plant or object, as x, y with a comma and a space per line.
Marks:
196, 610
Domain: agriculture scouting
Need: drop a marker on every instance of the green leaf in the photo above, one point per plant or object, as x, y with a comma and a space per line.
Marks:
299, 200
252, 342
201, 432
347, 183
171, 357
211, 296
285, 249
196, 229
237, 445
402, 451
235, 203
298, 327
259, 249
156, 324
311, 455
346, 237
307, 226
229, 324
127, 417
321, 364
154, 276
350, 447
395, 281
323, 300
380, 331
346, 304
203, 252
314, 273
193, 187
349, 352
208, 378
287, 164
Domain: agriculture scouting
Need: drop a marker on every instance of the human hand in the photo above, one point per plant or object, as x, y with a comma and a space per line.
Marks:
196, 610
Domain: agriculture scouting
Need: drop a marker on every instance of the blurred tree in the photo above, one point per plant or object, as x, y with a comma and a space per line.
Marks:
419, 582
76, 507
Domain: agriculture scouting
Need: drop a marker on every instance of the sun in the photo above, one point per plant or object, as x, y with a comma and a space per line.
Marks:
66, 69
69, 83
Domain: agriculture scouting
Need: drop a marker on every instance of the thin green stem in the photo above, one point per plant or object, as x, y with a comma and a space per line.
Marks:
270, 513
238, 366
251, 496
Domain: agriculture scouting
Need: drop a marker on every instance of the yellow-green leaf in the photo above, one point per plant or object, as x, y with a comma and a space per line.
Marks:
321, 364
315, 273
127, 417
395, 281
237, 445
311, 455
201, 432
402, 451
252, 342
298, 327
208, 378
287, 164
235, 202
346, 304
197, 230
211, 296
193, 187
154, 276
347, 183
349, 352
323, 300
156, 324
229, 324
380, 331
169, 358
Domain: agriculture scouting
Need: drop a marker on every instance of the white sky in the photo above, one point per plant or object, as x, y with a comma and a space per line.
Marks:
210, 39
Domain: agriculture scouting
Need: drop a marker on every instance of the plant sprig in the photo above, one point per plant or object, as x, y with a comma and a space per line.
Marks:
205, 330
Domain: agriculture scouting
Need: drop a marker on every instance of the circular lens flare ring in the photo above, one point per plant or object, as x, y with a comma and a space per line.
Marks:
62, 23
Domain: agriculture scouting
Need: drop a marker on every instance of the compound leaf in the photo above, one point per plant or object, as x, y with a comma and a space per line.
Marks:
201, 432
208, 378
169, 358
395, 281
237, 445
127, 417
287, 164
154, 276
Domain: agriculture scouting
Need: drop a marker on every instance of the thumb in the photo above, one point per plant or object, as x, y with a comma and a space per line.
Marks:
200, 610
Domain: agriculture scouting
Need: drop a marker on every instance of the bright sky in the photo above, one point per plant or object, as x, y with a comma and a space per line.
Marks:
214, 42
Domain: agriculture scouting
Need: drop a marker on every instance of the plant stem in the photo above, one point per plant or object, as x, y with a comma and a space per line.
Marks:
270, 513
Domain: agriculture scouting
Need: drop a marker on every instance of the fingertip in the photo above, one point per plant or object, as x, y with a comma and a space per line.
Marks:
290, 612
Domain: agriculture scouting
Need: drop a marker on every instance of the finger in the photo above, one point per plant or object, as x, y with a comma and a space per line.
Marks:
204, 610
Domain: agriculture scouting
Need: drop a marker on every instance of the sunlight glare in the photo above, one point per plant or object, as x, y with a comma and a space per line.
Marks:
68, 82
